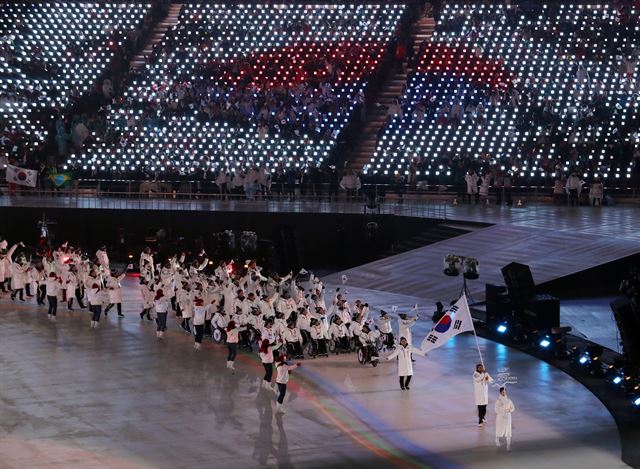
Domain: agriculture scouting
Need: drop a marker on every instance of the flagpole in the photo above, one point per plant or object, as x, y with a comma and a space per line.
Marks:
478, 346
474, 330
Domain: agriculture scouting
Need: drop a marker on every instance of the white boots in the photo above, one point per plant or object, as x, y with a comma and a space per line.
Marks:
160, 334
197, 346
94, 324
279, 408
231, 367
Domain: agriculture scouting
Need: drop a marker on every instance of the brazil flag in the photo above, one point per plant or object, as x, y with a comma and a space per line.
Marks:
61, 179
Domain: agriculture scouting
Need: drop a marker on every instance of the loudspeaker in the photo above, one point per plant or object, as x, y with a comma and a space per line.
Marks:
542, 313
628, 321
498, 303
519, 282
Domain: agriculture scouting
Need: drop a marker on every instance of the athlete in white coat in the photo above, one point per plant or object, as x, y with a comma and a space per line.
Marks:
103, 258
504, 408
404, 326
481, 380
405, 365
114, 289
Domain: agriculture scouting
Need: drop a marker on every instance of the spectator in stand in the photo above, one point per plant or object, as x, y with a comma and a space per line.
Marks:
572, 187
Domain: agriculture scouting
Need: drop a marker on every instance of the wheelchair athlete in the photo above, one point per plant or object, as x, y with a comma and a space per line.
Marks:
293, 339
386, 331
219, 322
339, 335
367, 349
318, 339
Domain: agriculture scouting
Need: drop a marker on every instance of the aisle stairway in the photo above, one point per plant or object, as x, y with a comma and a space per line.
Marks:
422, 30
158, 33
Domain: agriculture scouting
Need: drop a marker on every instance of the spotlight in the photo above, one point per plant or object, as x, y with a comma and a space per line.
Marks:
502, 328
451, 265
636, 401
544, 343
471, 268
583, 359
617, 380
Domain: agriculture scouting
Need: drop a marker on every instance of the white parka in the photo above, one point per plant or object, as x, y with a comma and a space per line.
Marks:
405, 367
481, 387
504, 408
404, 328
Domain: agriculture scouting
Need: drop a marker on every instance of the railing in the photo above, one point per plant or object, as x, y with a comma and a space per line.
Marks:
193, 201
194, 189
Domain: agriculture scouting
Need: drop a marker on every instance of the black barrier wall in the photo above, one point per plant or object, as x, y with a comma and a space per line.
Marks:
291, 240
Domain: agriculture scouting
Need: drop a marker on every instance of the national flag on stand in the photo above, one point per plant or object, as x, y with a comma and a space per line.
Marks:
21, 176
456, 320
61, 179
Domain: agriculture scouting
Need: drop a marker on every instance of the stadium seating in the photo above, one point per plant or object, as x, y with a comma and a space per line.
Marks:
53, 52
558, 87
243, 85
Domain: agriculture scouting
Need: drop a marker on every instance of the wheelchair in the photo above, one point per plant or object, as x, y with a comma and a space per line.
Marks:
385, 341
368, 354
317, 348
340, 345
247, 338
294, 349
219, 335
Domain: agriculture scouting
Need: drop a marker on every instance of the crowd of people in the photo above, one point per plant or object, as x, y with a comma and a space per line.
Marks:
584, 124
275, 93
62, 119
277, 317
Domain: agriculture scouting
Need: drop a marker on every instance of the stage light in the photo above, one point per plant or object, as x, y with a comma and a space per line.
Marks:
451, 265
583, 359
617, 380
544, 343
502, 328
636, 401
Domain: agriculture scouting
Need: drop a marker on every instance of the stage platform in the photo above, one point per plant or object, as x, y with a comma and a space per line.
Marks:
117, 397
550, 253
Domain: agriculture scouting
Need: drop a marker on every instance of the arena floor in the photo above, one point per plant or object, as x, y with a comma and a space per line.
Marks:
118, 397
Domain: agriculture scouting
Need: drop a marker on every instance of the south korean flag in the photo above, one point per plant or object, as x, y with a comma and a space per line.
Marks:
456, 320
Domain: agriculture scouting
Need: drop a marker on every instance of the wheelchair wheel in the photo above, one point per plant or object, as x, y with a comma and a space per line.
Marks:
308, 349
374, 363
333, 346
380, 342
218, 335
352, 344
253, 336
361, 356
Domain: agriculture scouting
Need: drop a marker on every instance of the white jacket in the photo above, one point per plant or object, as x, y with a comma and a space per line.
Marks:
404, 328
199, 313
504, 408
19, 275
115, 290
282, 376
268, 356
405, 367
103, 258
384, 324
292, 335
336, 331
481, 387
318, 332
